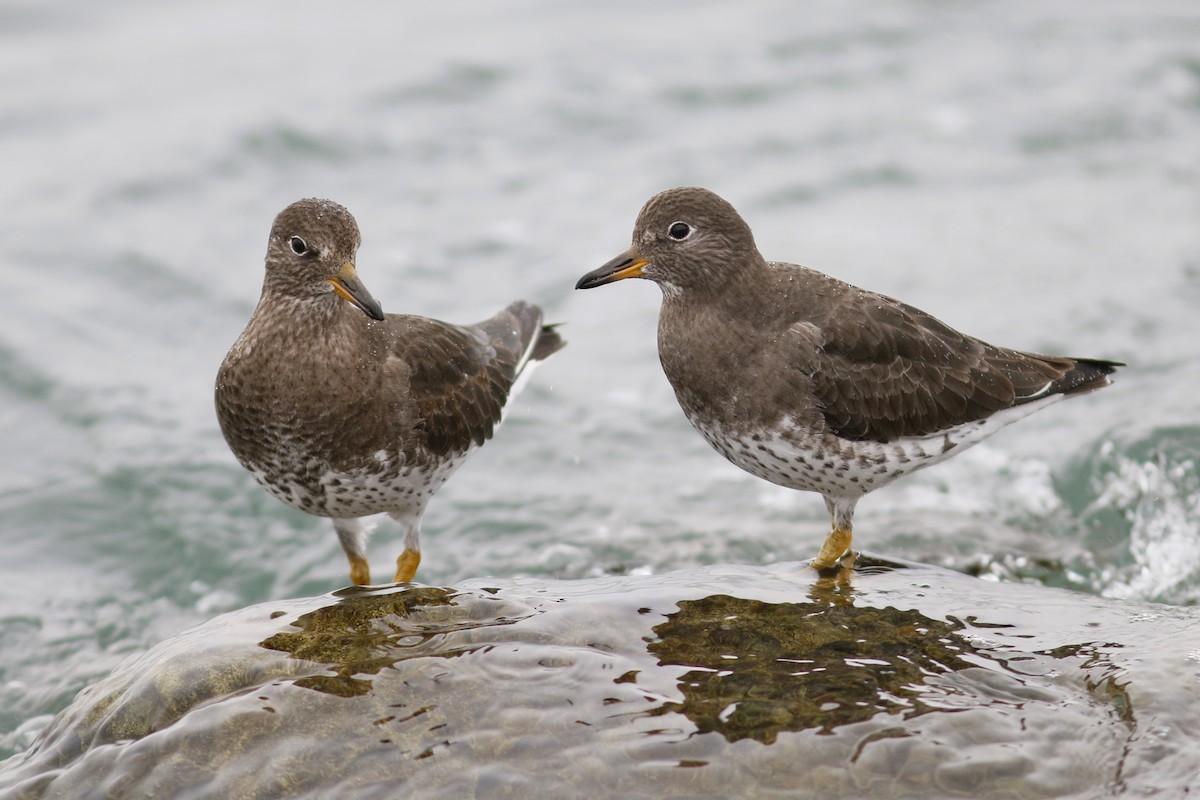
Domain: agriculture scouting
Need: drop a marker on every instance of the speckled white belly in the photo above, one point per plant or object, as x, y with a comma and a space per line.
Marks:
388, 485
795, 457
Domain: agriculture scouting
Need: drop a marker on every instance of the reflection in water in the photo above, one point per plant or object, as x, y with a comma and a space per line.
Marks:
757, 669
754, 669
371, 629
761, 668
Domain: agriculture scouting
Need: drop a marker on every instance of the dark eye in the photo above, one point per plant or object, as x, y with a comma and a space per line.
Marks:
679, 231
298, 245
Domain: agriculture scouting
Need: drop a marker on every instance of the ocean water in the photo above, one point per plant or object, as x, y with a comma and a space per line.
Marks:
1026, 171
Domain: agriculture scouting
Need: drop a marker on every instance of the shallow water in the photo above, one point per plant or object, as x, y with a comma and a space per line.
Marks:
1025, 171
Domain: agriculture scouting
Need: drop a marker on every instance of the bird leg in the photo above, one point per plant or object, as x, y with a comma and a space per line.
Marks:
406, 565
360, 572
352, 534
836, 545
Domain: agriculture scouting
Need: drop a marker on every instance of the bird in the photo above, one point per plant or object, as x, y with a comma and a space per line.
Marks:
342, 411
809, 382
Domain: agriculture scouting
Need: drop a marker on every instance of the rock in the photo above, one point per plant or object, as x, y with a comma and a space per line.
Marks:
900, 680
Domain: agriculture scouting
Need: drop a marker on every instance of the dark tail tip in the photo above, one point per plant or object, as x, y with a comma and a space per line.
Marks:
548, 343
1088, 375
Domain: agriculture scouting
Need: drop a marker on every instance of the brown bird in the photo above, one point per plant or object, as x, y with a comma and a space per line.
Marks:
812, 383
343, 411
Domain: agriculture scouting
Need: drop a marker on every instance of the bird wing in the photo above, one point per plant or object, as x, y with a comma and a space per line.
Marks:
881, 370
458, 379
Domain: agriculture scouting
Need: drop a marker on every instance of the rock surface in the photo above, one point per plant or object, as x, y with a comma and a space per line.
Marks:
900, 680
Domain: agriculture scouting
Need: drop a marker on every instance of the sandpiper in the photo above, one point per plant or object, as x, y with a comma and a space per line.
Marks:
811, 383
343, 411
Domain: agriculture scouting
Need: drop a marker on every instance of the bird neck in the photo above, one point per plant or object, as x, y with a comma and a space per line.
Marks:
723, 285
323, 321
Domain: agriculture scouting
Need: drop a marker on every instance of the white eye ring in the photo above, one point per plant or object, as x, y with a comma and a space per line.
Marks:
298, 245
679, 230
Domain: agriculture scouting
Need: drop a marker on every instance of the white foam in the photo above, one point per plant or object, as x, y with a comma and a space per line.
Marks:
1161, 501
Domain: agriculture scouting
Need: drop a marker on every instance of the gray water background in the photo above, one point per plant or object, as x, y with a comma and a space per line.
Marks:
1026, 171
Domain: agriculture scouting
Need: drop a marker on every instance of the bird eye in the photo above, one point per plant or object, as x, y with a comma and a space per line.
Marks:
679, 231
298, 245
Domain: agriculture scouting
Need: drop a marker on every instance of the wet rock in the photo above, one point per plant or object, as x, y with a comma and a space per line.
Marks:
893, 681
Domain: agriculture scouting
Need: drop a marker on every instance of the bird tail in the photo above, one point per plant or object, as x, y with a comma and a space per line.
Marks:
520, 327
537, 342
1085, 375
1035, 376
548, 343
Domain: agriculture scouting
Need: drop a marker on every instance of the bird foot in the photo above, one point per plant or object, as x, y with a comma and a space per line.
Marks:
836, 545
406, 565
360, 571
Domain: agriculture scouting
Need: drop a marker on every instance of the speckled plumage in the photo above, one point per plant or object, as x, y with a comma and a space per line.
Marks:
809, 382
344, 412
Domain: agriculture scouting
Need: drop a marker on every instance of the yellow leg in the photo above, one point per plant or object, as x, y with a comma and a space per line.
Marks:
360, 571
836, 545
406, 565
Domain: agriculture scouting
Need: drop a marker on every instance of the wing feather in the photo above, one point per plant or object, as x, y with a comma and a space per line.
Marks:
459, 376
884, 370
